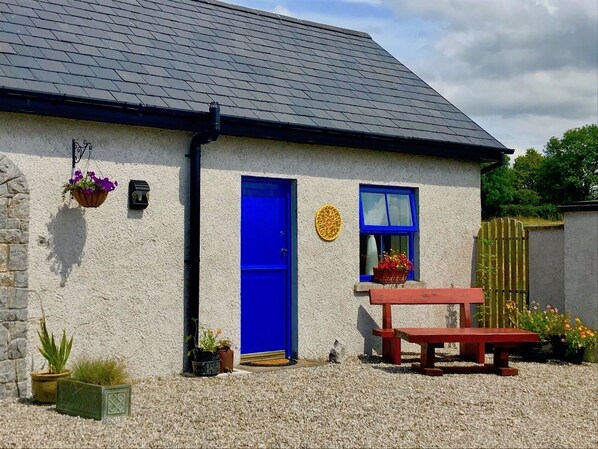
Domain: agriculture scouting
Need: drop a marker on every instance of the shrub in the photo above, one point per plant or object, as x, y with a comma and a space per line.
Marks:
546, 322
546, 211
578, 336
100, 371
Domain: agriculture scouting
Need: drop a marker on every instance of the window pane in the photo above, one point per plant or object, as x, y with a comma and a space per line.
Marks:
400, 243
374, 209
383, 243
367, 246
399, 208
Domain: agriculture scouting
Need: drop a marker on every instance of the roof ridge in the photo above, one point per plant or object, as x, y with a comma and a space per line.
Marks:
260, 12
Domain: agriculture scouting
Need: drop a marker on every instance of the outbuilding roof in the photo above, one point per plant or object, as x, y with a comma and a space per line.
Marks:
177, 56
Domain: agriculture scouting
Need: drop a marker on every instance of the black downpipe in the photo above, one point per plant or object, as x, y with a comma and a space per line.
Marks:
210, 134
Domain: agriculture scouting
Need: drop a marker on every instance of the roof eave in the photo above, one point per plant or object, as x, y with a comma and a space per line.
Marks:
16, 100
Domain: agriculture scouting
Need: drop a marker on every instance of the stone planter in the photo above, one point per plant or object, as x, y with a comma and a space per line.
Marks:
93, 401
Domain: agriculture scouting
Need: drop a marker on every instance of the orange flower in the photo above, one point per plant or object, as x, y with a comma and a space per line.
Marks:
219, 331
567, 326
577, 320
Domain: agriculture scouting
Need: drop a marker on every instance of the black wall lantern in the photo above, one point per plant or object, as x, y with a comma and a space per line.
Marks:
138, 194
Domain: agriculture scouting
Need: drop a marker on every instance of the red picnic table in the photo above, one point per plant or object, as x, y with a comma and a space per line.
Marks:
503, 340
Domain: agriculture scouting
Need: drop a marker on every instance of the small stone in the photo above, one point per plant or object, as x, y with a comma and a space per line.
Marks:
337, 353
7, 371
18, 185
17, 257
17, 329
19, 299
21, 279
4, 257
6, 297
18, 207
17, 349
4, 334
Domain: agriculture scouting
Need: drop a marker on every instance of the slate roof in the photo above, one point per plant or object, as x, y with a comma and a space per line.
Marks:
183, 54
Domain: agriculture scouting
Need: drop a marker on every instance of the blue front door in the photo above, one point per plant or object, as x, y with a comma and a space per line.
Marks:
265, 273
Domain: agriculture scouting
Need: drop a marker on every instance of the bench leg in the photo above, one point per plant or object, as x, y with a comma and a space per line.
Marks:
396, 351
427, 360
391, 350
501, 361
473, 351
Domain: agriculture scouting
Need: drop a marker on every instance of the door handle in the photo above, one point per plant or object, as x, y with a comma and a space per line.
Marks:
283, 250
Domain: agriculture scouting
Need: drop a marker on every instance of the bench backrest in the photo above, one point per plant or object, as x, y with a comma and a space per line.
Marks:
465, 297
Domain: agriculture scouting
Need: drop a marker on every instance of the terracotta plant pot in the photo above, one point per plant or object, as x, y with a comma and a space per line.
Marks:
390, 276
93, 199
43, 385
227, 357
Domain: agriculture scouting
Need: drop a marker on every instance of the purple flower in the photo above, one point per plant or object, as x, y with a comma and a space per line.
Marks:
89, 183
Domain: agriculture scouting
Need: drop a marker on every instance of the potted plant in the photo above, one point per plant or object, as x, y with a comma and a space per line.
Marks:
98, 388
577, 338
88, 190
204, 356
226, 355
43, 382
548, 323
393, 268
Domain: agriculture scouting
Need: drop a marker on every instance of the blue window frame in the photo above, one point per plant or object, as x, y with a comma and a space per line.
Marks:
387, 220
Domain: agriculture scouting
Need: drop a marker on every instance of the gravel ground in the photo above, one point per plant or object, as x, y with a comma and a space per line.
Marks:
356, 404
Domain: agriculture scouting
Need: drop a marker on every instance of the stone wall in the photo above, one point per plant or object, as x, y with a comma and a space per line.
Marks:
14, 237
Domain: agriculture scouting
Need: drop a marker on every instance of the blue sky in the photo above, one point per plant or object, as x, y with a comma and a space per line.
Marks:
525, 70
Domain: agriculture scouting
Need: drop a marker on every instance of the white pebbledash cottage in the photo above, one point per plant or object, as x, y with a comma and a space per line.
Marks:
309, 115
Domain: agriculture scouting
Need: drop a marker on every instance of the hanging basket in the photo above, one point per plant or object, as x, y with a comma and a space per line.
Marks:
93, 199
390, 276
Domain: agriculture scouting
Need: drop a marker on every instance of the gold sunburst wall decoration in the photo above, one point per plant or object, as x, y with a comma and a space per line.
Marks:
328, 222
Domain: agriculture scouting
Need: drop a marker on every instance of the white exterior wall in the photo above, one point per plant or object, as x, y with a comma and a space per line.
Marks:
581, 261
115, 277
328, 308
111, 276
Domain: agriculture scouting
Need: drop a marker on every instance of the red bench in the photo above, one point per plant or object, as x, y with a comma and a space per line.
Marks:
503, 339
387, 297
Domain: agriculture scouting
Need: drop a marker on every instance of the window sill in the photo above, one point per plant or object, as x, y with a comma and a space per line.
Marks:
366, 286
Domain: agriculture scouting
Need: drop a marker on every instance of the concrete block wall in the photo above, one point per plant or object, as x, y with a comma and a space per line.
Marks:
547, 265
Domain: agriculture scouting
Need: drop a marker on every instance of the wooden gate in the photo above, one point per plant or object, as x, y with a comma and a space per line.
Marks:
502, 268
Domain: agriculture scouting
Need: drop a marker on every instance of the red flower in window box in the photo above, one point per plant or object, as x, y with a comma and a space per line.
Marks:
393, 268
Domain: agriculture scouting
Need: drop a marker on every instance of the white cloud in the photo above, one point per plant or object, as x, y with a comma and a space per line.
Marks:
279, 9
526, 68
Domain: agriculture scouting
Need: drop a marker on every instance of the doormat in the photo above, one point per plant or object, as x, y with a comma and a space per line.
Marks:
271, 363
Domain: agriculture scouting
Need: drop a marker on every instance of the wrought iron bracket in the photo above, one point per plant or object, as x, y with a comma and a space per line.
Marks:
79, 150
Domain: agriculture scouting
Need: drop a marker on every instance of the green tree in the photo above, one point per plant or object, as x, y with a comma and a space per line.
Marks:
498, 188
570, 169
526, 169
